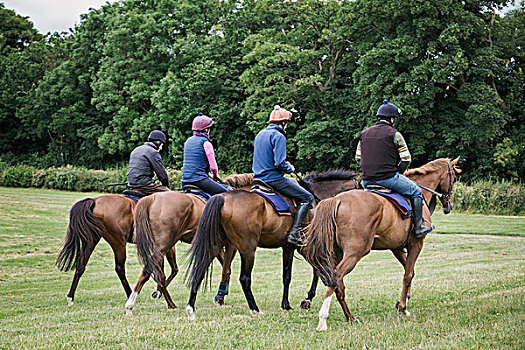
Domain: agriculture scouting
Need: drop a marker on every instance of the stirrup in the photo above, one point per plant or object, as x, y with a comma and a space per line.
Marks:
423, 231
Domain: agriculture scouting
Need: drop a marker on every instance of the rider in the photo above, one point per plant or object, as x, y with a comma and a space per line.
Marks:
199, 157
144, 161
270, 165
383, 156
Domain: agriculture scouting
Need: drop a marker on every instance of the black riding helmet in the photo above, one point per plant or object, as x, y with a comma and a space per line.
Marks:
157, 135
387, 111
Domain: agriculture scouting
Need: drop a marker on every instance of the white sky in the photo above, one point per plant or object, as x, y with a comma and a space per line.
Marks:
53, 15
60, 15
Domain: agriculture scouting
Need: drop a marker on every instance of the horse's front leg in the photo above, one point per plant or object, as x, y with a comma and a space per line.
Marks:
307, 303
229, 254
288, 251
414, 249
247, 260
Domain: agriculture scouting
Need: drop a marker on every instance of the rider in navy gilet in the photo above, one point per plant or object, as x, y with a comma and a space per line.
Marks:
199, 158
383, 156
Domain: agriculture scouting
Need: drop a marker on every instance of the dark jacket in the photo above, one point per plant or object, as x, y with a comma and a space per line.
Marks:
143, 162
269, 154
379, 154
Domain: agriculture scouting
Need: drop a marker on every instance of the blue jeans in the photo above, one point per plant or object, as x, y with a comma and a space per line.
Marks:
400, 184
291, 189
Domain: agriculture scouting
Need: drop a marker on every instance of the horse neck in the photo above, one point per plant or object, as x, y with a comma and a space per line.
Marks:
330, 188
431, 180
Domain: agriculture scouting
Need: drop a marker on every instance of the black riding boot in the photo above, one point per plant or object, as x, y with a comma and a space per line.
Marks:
294, 236
419, 229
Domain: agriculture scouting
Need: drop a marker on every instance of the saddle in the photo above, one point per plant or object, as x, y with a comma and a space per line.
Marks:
401, 203
196, 191
268, 193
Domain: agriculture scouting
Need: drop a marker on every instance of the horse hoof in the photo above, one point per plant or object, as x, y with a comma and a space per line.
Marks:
70, 301
321, 328
218, 301
306, 304
402, 312
286, 307
156, 294
172, 306
256, 313
129, 312
190, 313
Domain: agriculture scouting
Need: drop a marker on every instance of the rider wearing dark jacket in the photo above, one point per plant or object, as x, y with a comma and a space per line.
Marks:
383, 157
144, 162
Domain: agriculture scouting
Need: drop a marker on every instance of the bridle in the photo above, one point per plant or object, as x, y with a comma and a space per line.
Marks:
447, 196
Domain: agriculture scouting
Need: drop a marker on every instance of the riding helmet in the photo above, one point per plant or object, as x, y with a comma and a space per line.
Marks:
157, 135
388, 110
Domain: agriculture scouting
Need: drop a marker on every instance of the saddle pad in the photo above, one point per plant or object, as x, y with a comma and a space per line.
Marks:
199, 194
278, 204
136, 199
399, 202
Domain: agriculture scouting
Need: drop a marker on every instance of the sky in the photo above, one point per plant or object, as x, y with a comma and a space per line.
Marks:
53, 15
60, 15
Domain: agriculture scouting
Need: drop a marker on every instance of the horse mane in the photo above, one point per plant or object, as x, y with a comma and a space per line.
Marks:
239, 180
428, 168
332, 174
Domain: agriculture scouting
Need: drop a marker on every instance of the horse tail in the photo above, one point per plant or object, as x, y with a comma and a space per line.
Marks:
209, 239
148, 252
84, 230
321, 239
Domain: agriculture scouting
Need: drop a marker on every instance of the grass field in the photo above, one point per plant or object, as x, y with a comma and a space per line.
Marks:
468, 293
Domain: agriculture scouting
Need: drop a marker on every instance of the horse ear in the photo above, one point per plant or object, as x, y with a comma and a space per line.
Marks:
454, 162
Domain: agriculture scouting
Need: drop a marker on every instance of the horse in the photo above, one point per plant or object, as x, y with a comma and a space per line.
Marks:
110, 217
161, 220
346, 227
243, 221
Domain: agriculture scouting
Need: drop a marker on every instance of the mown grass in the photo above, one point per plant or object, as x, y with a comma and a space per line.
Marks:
468, 293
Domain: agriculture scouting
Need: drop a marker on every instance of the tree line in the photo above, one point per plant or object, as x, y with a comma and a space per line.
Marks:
89, 96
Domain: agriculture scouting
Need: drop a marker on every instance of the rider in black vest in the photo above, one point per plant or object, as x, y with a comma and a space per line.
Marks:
383, 155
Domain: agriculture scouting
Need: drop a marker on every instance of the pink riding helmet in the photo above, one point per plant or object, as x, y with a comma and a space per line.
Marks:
201, 122
279, 114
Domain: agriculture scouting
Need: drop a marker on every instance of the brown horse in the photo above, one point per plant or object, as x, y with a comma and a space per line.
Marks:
108, 216
161, 220
243, 221
345, 228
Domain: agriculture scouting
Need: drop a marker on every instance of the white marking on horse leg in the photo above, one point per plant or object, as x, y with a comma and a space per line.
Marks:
130, 304
70, 301
190, 313
256, 313
323, 314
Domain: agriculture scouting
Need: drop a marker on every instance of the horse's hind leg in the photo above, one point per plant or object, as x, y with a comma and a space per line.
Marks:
287, 275
172, 261
229, 254
130, 304
79, 271
247, 260
413, 252
120, 266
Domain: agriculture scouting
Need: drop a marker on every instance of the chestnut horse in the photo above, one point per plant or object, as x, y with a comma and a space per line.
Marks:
243, 221
108, 216
161, 220
345, 228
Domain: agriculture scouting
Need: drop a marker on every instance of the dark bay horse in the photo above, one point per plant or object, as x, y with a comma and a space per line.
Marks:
110, 217
346, 227
243, 221
161, 220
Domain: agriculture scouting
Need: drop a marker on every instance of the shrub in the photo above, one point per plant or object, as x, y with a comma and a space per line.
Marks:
17, 176
488, 197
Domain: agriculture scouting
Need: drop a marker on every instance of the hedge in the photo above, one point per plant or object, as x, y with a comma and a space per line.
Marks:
484, 197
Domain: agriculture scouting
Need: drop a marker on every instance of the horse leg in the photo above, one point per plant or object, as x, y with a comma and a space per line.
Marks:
402, 258
163, 285
130, 304
247, 260
229, 254
288, 251
172, 261
413, 253
79, 271
307, 303
120, 262
346, 266
325, 309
